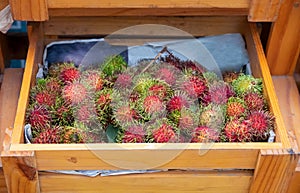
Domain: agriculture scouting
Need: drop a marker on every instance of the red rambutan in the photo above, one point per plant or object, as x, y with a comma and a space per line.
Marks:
134, 134
74, 93
38, 117
195, 86
254, 101
220, 92
229, 77
177, 102
204, 134
153, 104
166, 75
69, 74
237, 131
260, 123
92, 80
53, 85
51, 135
164, 134
124, 81
85, 114
45, 98
158, 90
125, 114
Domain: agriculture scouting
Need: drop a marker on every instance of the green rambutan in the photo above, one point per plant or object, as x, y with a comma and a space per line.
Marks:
247, 83
210, 77
260, 124
50, 135
74, 93
254, 101
237, 131
204, 134
38, 117
113, 65
235, 107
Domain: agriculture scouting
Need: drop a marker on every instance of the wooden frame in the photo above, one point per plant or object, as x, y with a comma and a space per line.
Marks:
23, 163
40, 10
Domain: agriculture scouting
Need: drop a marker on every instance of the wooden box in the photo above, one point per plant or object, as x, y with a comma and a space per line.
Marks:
221, 167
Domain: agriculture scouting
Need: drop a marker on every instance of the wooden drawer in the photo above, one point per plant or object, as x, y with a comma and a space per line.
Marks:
254, 167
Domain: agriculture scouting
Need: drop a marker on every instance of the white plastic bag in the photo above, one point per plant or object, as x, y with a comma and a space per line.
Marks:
6, 19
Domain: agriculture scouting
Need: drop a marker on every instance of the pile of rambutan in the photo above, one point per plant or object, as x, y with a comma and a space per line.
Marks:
156, 101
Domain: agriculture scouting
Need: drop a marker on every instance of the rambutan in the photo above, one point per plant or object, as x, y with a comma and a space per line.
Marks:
210, 77
45, 98
213, 116
86, 114
204, 134
164, 134
220, 92
229, 77
177, 102
237, 131
153, 104
125, 114
92, 80
113, 65
69, 73
62, 114
247, 83
74, 93
73, 135
159, 90
134, 134
124, 81
53, 85
195, 86
166, 75
50, 135
260, 124
38, 117
254, 101
235, 107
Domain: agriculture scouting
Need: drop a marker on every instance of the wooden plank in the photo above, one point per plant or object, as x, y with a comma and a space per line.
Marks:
198, 26
29, 10
273, 171
3, 188
148, 4
294, 186
3, 4
191, 11
283, 46
176, 182
143, 159
34, 56
9, 96
19, 168
289, 103
261, 11
260, 69
3, 52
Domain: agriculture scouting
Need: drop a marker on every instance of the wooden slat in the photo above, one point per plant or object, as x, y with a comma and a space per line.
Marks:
29, 10
263, 10
283, 46
175, 182
146, 159
3, 4
148, 4
19, 168
191, 11
9, 96
294, 186
273, 171
34, 56
3, 188
198, 26
260, 69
